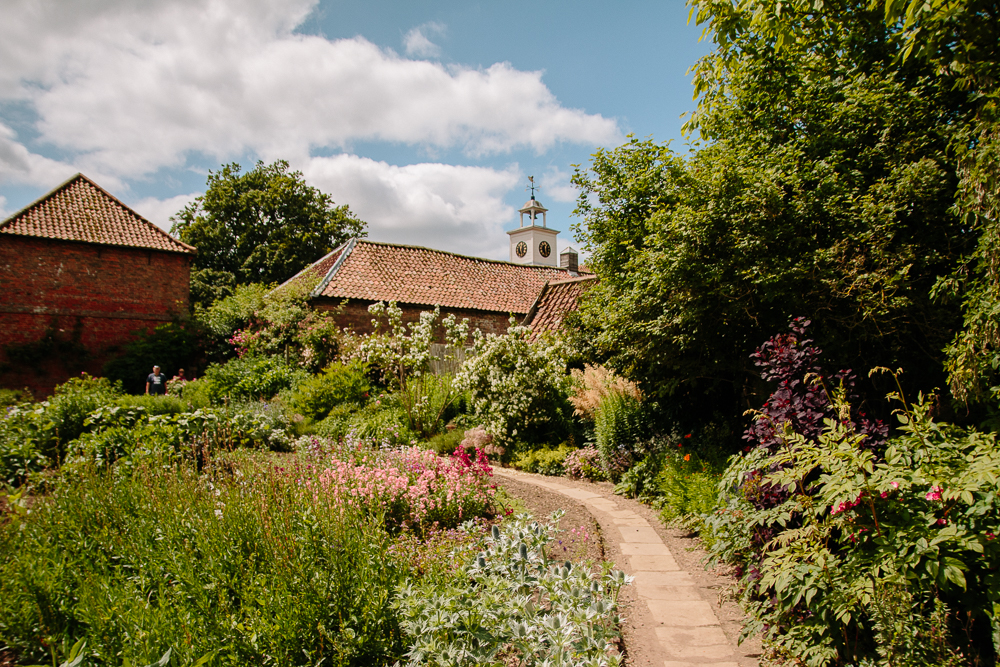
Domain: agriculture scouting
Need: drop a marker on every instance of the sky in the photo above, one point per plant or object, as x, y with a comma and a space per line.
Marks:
425, 118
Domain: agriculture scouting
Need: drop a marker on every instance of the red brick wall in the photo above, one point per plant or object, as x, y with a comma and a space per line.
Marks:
88, 300
355, 316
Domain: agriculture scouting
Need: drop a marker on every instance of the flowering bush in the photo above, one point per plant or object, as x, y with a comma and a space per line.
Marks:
585, 464
522, 608
893, 557
403, 356
259, 321
478, 438
411, 487
519, 389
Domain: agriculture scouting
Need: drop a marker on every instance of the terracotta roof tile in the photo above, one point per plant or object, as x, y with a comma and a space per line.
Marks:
80, 210
421, 276
555, 302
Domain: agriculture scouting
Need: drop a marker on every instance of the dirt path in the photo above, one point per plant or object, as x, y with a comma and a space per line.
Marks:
672, 616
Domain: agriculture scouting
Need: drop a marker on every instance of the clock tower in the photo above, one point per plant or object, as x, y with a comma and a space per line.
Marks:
533, 243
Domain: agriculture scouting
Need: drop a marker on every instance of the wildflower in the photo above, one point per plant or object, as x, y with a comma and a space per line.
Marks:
990, 536
942, 522
218, 514
934, 493
687, 457
894, 485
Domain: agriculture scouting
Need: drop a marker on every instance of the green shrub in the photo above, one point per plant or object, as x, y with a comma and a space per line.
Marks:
585, 463
197, 393
35, 435
337, 424
12, 397
154, 405
688, 487
446, 442
431, 401
544, 461
125, 447
382, 421
235, 570
20, 453
337, 384
251, 377
620, 424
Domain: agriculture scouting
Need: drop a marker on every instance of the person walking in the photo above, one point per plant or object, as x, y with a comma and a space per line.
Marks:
156, 382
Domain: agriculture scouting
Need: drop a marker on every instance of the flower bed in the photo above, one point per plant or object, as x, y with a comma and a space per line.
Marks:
410, 487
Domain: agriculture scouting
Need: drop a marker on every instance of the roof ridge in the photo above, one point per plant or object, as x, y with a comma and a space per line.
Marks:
575, 279
156, 229
455, 254
534, 307
345, 253
41, 200
79, 176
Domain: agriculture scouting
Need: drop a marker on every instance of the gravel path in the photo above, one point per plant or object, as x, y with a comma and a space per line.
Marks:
672, 616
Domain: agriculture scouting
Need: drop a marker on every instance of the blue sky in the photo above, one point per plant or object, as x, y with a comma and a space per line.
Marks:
426, 118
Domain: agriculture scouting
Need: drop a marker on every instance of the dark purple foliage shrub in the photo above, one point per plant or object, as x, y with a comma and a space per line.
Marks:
801, 401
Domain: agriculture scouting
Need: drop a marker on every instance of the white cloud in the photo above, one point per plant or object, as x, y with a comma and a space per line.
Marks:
556, 185
158, 211
417, 43
3, 208
19, 165
447, 207
128, 87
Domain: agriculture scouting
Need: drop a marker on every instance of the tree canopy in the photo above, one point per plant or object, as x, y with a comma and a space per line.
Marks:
826, 188
262, 226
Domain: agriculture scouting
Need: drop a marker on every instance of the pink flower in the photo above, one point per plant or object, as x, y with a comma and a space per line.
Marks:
934, 493
894, 485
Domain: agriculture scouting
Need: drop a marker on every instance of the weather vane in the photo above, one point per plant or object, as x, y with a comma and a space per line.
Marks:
532, 186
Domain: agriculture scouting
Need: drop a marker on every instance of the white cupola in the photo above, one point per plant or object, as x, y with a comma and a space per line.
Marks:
533, 243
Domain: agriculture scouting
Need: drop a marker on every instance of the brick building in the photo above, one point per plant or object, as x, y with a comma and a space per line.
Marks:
487, 292
80, 275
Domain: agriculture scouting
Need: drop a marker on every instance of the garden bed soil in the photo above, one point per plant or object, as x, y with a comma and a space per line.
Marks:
641, 649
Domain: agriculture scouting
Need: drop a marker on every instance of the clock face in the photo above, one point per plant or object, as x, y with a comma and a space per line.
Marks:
544, 249
521, 249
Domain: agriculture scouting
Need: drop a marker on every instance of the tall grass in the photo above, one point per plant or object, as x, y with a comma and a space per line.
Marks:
233, 566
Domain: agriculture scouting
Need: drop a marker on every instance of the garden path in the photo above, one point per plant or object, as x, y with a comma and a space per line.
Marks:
672, 616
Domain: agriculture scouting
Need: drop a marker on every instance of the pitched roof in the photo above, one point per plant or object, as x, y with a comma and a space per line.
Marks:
556, 300
81, 210
421, 276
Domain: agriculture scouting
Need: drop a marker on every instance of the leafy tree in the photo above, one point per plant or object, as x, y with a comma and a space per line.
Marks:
263, 226
960, 41
825, 193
